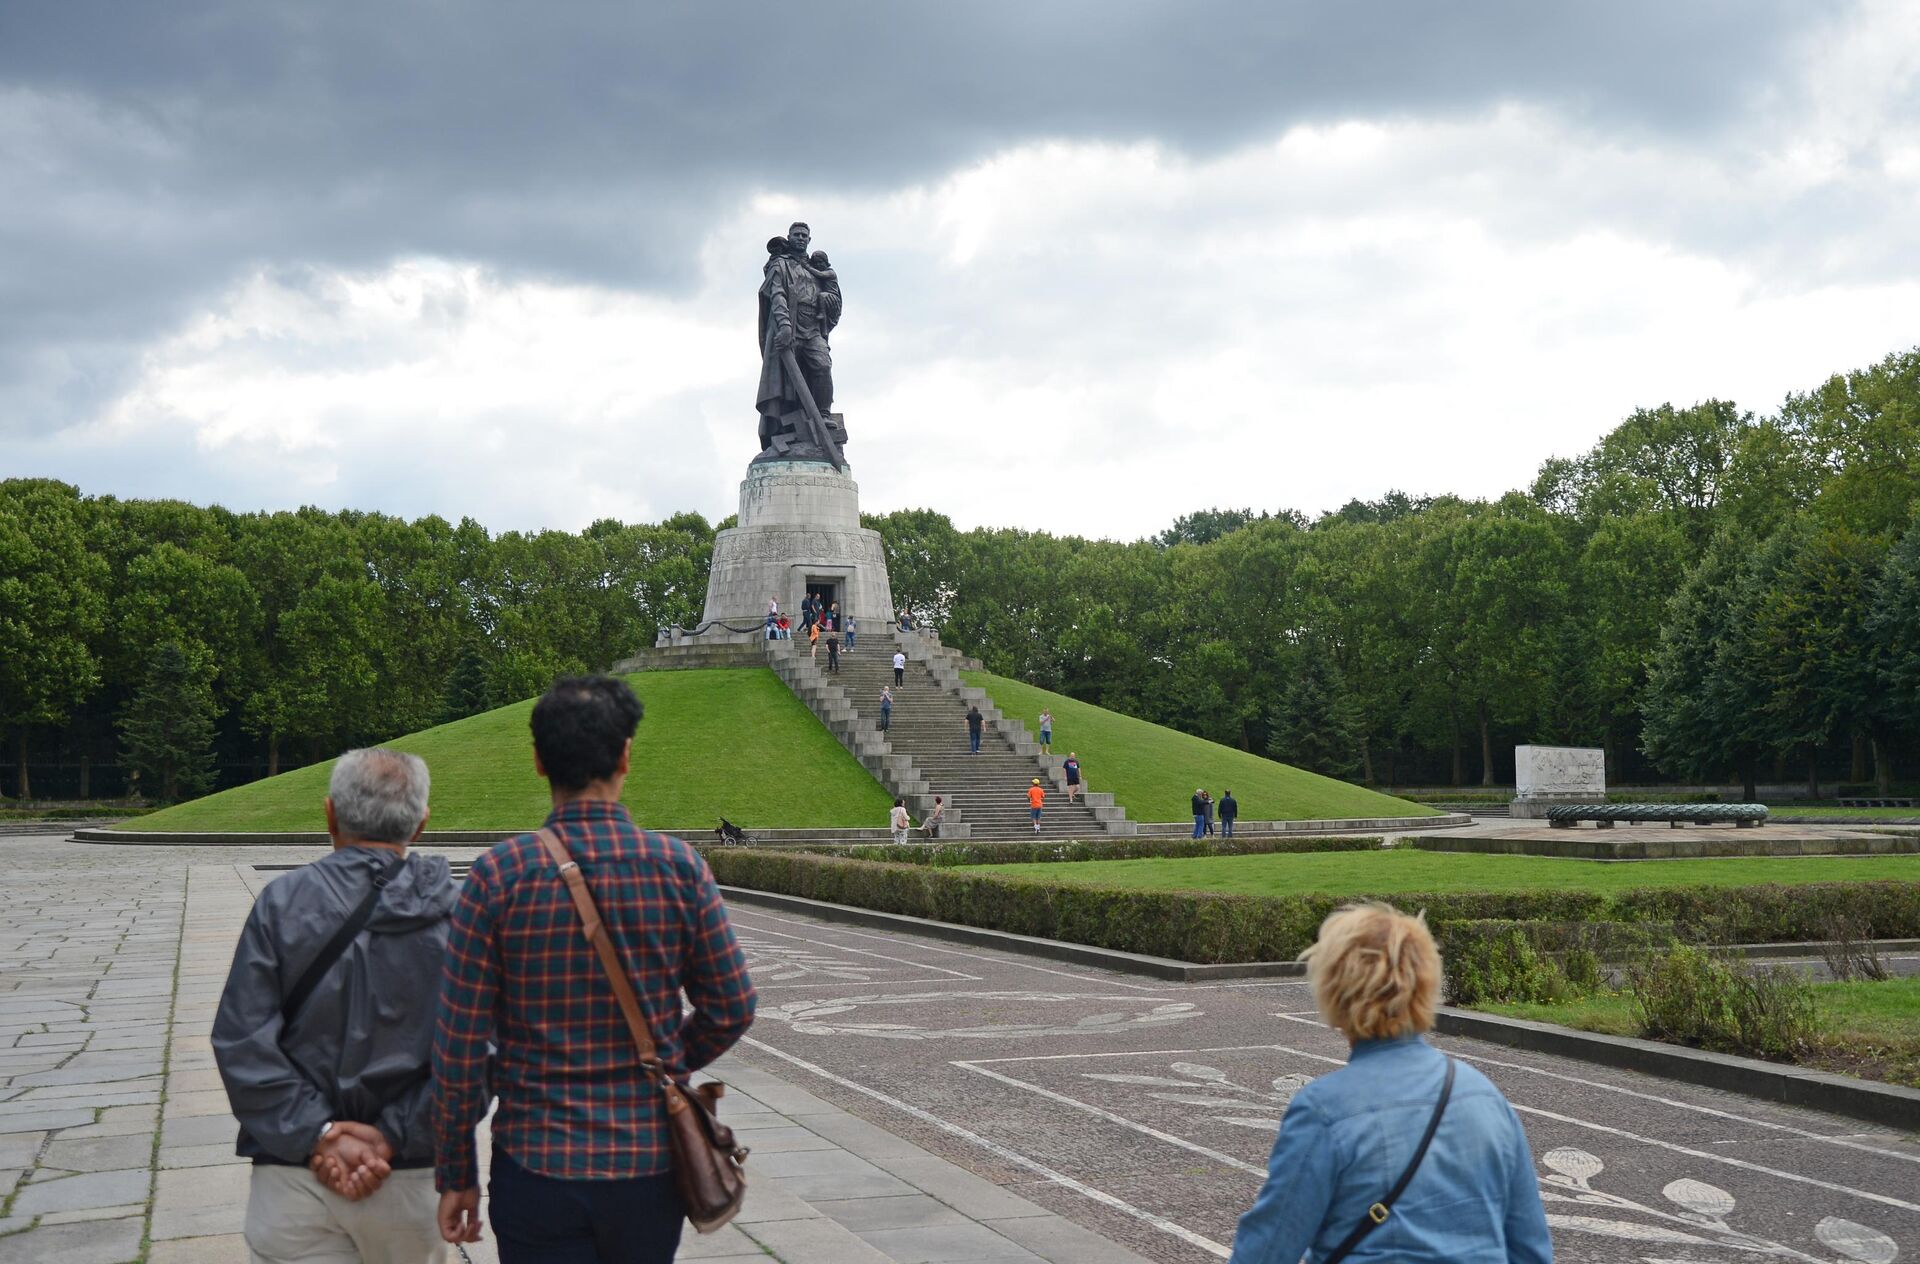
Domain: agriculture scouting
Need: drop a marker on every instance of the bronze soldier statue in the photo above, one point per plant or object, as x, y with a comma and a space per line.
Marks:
799, 307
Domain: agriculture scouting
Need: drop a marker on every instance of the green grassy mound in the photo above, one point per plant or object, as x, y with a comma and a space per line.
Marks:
725, 741
1384, 873
1152, 771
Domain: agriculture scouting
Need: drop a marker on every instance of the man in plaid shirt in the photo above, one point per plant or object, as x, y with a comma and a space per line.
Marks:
580, 1159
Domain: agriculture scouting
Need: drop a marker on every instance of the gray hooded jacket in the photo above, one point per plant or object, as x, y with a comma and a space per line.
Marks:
365, 1031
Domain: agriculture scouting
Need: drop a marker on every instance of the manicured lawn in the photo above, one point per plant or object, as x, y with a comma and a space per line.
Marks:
1843, 814
1152, 771
731, 742
1406, 869
1864, 1028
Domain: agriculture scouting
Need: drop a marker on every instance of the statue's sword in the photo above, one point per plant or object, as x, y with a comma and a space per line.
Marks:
821, 435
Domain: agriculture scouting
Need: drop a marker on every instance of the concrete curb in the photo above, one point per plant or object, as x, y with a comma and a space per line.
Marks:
1885, 1104
1027, 945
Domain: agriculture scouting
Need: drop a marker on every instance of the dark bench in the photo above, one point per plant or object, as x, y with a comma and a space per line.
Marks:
1607, 815
1877, 803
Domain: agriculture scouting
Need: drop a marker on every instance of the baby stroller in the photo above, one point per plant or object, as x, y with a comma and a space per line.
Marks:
731, 835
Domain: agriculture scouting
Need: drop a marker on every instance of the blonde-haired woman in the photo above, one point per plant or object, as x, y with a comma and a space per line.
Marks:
1402, 1154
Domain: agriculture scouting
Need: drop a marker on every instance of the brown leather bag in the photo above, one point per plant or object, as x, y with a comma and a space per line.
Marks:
709, 1167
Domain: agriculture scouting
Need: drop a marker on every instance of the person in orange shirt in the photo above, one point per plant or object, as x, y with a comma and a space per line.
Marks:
1036, 799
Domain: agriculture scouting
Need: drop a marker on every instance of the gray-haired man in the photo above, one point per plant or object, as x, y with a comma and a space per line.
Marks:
325, 1028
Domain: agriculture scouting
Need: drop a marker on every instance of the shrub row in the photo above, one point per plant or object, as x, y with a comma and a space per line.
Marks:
1205, 926
948, 855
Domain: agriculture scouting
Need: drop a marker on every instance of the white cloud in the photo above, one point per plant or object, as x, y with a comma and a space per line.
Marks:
1096, 338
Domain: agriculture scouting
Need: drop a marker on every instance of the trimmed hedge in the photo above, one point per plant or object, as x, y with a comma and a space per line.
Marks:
948, 855
1203, 926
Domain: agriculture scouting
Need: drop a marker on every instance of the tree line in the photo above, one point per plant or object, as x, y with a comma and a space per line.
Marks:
175, 638
1708, 593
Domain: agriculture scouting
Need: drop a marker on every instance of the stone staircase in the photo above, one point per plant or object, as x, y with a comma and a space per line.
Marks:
925, 751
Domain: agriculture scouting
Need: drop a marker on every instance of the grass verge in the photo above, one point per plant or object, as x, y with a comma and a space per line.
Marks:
1866, 1029
1152, 771
730, 742
1406, 869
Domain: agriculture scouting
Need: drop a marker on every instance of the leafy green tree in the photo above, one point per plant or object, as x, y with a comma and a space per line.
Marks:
1703, 698
168, 730
52, 607
1863, 430
1204, 526
925, 556
1676, 460
1809, 642
1893, 626
1315, 724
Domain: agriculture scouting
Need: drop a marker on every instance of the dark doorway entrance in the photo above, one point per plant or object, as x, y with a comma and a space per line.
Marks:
829, 590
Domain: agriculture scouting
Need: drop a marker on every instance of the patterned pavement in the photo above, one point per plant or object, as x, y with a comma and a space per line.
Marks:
1137, 1110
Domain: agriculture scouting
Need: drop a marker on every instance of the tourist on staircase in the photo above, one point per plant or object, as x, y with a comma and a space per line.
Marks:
1037, 801
975, 722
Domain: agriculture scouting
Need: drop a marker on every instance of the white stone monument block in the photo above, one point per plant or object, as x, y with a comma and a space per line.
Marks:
1549, 775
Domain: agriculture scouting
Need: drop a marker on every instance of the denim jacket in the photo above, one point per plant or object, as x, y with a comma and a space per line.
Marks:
1348, 1135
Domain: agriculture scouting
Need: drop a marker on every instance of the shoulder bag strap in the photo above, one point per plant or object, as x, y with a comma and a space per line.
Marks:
596, 934
337, 946
1378, 1213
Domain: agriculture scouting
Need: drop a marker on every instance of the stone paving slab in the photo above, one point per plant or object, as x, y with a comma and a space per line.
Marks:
114, 1127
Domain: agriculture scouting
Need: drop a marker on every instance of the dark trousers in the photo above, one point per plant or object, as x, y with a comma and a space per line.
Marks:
833, 656
899, 676
540, 1220
1226, 827
973, 736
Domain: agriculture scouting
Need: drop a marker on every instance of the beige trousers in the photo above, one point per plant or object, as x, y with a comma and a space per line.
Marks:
293, 1219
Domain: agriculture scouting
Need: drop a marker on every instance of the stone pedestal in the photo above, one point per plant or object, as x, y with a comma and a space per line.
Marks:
799, 530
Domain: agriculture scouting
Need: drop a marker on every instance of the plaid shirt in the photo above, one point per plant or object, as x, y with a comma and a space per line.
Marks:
574, 1103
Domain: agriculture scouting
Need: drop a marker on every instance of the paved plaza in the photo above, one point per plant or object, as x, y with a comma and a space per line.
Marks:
906, 1100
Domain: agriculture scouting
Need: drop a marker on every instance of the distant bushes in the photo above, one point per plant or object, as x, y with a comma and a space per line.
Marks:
1695, 996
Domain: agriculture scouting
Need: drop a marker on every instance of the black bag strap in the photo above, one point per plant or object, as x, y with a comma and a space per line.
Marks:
349, 930
1378, 1213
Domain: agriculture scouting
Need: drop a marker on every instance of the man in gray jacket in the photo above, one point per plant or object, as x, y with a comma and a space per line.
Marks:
325, 1028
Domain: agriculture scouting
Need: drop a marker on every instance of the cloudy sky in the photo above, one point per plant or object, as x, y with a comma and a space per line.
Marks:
1104, 263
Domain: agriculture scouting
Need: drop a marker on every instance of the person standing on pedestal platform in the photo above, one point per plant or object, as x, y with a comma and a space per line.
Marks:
1046, 732
1229, 813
